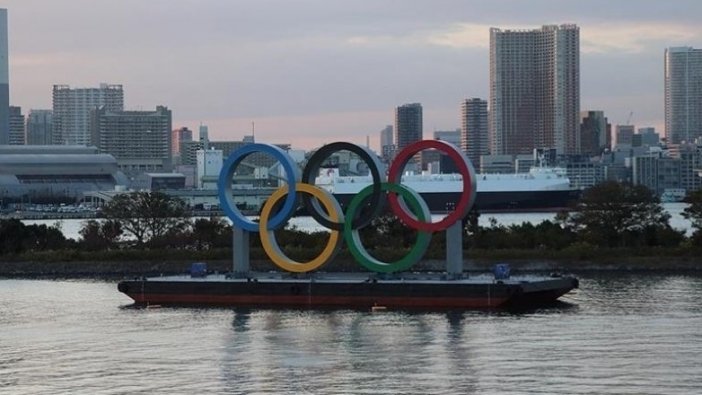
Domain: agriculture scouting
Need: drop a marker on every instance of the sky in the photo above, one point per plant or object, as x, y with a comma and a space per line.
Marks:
309, 72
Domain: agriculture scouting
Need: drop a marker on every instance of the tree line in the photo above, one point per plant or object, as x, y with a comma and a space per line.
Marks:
608, 215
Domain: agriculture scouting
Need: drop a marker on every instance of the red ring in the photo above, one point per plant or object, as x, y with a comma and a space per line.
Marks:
464, 168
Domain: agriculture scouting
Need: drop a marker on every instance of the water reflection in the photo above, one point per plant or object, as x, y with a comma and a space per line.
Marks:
634, 333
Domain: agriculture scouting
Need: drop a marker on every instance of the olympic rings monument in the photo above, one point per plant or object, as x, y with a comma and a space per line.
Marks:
386, 284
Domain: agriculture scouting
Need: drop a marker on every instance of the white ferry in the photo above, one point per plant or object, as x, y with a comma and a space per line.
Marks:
542, 188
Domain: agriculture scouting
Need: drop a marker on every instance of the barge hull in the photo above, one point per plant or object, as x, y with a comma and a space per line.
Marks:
345, 293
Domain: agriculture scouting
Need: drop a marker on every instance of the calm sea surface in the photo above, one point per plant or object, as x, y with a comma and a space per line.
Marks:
624, 334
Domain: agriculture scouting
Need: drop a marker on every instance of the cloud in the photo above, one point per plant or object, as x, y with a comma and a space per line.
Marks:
458, 35
623, 37
635, 37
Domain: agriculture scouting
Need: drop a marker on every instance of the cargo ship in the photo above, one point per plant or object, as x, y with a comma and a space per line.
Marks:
406, 291
542, 188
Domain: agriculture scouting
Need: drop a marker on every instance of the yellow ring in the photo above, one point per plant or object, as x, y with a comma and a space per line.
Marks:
270, 245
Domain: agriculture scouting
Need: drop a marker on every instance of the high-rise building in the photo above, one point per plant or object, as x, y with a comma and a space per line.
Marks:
16, 126
204, 135
408, 125
593, 132
72, 107
178, 135
4, 81
139, 140
474, 129
683, 94
39, 127
624, 135
535, 90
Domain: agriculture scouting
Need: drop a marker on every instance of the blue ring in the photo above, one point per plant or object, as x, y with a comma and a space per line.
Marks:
224, 185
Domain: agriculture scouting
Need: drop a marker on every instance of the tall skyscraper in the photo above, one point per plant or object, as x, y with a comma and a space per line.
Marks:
474, 129
16, 126
139, 140
408, 124
593, 132
72, 108
683, 94
535, 90
4, 81
39, 127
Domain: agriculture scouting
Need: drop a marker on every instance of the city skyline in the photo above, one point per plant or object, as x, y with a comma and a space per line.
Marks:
318, 72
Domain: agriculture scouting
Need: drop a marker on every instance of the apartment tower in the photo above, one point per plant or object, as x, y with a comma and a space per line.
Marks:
72, 106
683, 94
474, 129
535, 90
408, 125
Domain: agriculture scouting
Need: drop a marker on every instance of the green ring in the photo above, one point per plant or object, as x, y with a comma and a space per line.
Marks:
353, 239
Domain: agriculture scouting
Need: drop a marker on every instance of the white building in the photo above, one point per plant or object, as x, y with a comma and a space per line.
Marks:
209, 165
72, 106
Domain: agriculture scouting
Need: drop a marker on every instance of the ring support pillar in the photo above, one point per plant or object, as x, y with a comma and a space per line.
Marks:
454, 250
240, 252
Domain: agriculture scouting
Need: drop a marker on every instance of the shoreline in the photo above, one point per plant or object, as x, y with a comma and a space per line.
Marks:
128, 269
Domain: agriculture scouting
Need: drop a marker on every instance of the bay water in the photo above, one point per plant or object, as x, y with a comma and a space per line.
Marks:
623, 333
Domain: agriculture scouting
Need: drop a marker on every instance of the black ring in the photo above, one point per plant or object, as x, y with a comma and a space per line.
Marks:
312, 170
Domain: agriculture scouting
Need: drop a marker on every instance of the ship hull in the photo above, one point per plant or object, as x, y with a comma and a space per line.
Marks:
442, 202
346, 291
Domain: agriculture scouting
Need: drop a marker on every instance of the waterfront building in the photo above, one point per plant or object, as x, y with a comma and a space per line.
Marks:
39, 127
593, 132
535, 90
584, 174
690, 157
139, 140
683, 94
50, 173
474, 129
4, 81
656, 172
209, 165
72, 107
164, 182
16, 126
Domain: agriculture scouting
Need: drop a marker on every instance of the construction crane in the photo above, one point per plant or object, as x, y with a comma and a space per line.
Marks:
628, 120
